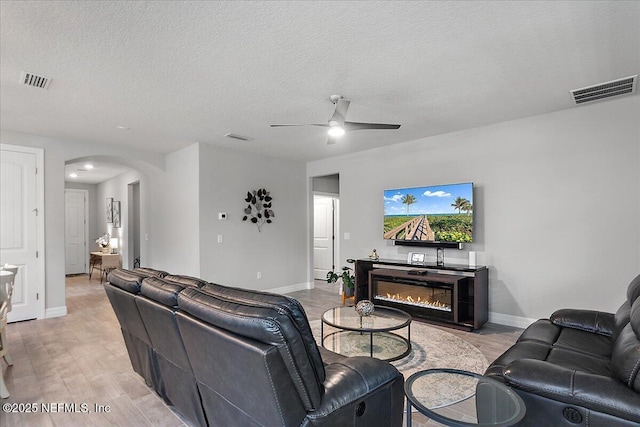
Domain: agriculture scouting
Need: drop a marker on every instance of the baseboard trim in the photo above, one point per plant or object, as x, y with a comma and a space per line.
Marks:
508, 320
292, 288
55, 312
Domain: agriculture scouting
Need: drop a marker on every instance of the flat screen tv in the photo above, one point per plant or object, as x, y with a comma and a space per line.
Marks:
442, 213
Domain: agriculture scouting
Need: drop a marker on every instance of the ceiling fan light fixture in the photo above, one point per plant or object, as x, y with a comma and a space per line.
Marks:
335, 130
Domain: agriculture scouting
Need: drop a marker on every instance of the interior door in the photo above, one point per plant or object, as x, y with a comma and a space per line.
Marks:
323, 236
18, 229
74, 231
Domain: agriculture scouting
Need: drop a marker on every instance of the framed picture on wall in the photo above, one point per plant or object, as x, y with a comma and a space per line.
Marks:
116, 214
109, 209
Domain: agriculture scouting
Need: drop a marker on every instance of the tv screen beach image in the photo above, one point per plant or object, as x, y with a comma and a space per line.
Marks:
442, 213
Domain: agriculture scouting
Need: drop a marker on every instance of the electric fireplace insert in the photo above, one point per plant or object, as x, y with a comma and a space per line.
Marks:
427, 296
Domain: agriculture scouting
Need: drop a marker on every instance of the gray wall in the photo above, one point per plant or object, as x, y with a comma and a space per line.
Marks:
178, 210
279, 251
557, 204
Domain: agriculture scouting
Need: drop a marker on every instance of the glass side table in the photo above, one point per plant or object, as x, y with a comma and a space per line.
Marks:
367, 335
462, 399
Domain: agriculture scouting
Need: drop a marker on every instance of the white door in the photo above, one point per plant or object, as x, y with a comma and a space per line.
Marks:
323, 236
18, 229
74, 231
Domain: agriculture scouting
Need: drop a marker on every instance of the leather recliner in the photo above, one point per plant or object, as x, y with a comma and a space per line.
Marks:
121, 288
174, 379
255, 361
579, 367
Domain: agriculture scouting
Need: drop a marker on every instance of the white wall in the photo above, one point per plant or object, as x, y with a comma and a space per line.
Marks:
279, 251
557, 204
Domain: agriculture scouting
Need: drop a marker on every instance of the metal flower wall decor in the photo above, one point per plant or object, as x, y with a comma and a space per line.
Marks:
258, 210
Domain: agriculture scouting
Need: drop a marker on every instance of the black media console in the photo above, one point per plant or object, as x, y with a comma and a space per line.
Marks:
453, 295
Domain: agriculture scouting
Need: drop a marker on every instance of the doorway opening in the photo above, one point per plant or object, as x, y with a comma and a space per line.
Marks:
326, 225
133, 190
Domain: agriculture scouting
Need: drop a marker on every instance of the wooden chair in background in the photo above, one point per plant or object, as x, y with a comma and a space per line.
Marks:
104, 263
7, 280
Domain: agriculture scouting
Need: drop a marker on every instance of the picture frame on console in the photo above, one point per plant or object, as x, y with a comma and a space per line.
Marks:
416, 258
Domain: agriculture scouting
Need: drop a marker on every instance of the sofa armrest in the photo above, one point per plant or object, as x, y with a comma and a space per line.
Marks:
595, 392
587, 320
360, 387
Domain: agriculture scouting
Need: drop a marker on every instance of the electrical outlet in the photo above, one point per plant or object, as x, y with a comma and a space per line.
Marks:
259, 275
347, 236
220, 238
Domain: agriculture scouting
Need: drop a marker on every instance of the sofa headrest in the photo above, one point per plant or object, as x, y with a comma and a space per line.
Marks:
635, 318
150, 272
633, 291
625, 358
163, 291
126, 280
263, 322
292, 307
185, 280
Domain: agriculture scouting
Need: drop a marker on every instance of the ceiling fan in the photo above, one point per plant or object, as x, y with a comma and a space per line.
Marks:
338, 125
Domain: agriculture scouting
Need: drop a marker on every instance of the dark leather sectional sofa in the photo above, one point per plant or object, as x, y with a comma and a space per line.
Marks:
578, 368
226, 356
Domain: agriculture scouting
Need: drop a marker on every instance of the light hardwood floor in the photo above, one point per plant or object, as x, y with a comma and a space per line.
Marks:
81, 359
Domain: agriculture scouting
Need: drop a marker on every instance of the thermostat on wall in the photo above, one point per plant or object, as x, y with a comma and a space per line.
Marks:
222, 215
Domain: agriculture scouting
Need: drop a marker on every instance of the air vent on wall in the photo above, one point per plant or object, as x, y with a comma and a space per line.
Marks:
239, 137
600, 91
30, 79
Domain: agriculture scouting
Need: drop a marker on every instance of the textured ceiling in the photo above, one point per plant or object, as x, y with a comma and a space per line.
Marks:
176, 73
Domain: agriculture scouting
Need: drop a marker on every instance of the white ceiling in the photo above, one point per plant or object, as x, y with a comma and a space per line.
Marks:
100, 172
180, 72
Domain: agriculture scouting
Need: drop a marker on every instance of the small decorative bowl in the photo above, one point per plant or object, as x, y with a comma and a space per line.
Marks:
365, 307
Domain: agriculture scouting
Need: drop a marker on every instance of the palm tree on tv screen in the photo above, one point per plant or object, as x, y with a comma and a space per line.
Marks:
408, 200
460, 203
467, 207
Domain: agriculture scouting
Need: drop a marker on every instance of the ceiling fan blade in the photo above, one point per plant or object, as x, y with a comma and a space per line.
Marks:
307, 124
339, 115
278, 126
349, 126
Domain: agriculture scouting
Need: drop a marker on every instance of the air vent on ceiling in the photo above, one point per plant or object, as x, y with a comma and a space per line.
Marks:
600, 91
239, 137
34, 80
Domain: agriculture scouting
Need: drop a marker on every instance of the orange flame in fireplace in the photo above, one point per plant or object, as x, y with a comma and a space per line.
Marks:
422, 302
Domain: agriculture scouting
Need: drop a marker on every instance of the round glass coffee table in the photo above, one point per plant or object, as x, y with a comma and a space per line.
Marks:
462, 399
367, 335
